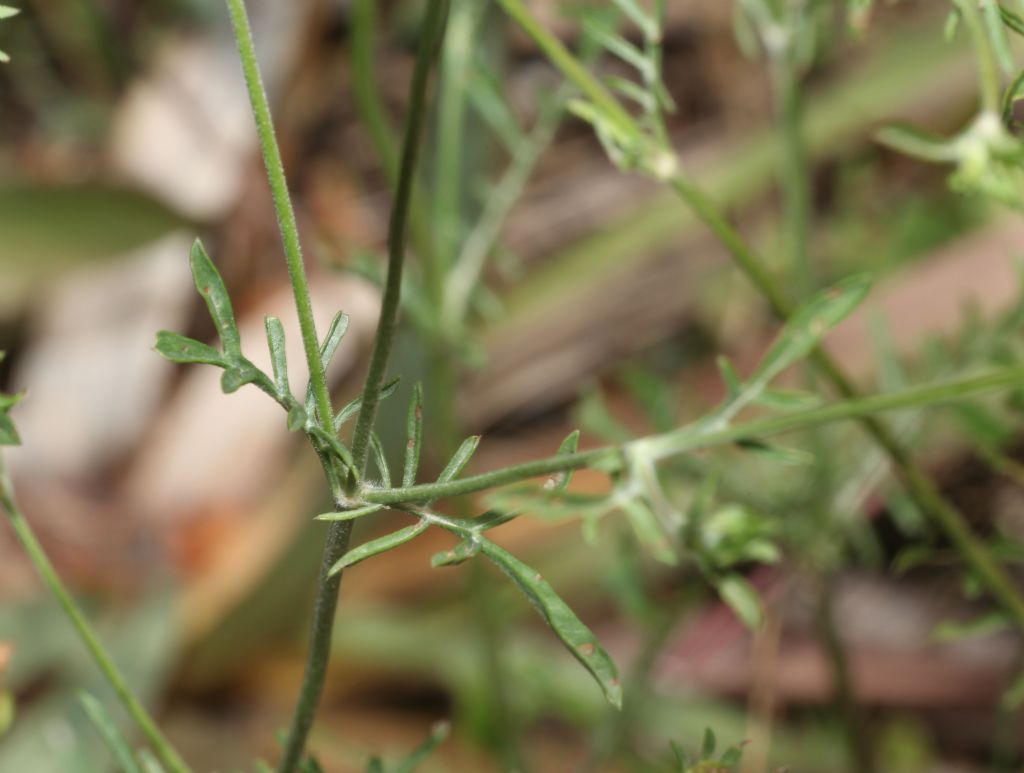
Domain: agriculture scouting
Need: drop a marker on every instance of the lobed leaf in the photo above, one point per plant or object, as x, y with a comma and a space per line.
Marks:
181, 349
114, 739
377, 546
210, 285
579, 639
414, 436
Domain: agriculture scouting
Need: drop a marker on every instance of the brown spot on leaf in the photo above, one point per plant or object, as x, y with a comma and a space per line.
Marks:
586, 650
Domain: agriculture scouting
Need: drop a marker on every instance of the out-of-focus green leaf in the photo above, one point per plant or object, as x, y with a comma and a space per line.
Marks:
578, 639
112, 736
741, 596
438, 733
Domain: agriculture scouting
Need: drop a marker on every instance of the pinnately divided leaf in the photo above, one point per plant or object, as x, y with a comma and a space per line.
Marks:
210, 285
579, 639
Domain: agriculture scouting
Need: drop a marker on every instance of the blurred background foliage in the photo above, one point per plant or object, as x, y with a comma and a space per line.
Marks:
573, 296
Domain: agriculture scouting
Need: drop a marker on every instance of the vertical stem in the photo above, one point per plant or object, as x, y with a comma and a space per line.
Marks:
794, 175
987, 66
338, 536
285, 211
844, 694
161, 746
430, 40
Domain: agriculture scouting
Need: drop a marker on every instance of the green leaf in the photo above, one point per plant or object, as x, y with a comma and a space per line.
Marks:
648, 530
278, 354
731, 379
951, 631
459, 460
1013, 698
414, 436
8, 432
731, 758
179, 348
741, 596
916, 143
559, 482
113, 737
809, 324
788, 399
377, 546
296, 418
707, 747
238, 374
579, 639
438, 733
6, 11
330, 444
352, 408
210, 285
349, 515
149, 762
310, 765
8, 711
380, 460
462, 551
778, 454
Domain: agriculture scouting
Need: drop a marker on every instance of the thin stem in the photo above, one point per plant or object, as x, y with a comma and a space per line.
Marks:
285, 211
338, 536
430, 40
987, 65
794, 175
845, 696
161, 746
685, 440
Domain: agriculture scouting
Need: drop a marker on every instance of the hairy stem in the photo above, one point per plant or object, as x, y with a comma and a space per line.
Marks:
285, 211
161, 746
686, 440
338, 536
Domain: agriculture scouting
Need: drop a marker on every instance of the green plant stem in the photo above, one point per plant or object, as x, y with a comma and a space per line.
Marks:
686, 440
338, 536
366, 95
917, 482
861, 751
794, 176
430, 40
987, 66
161, 746
285, 211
